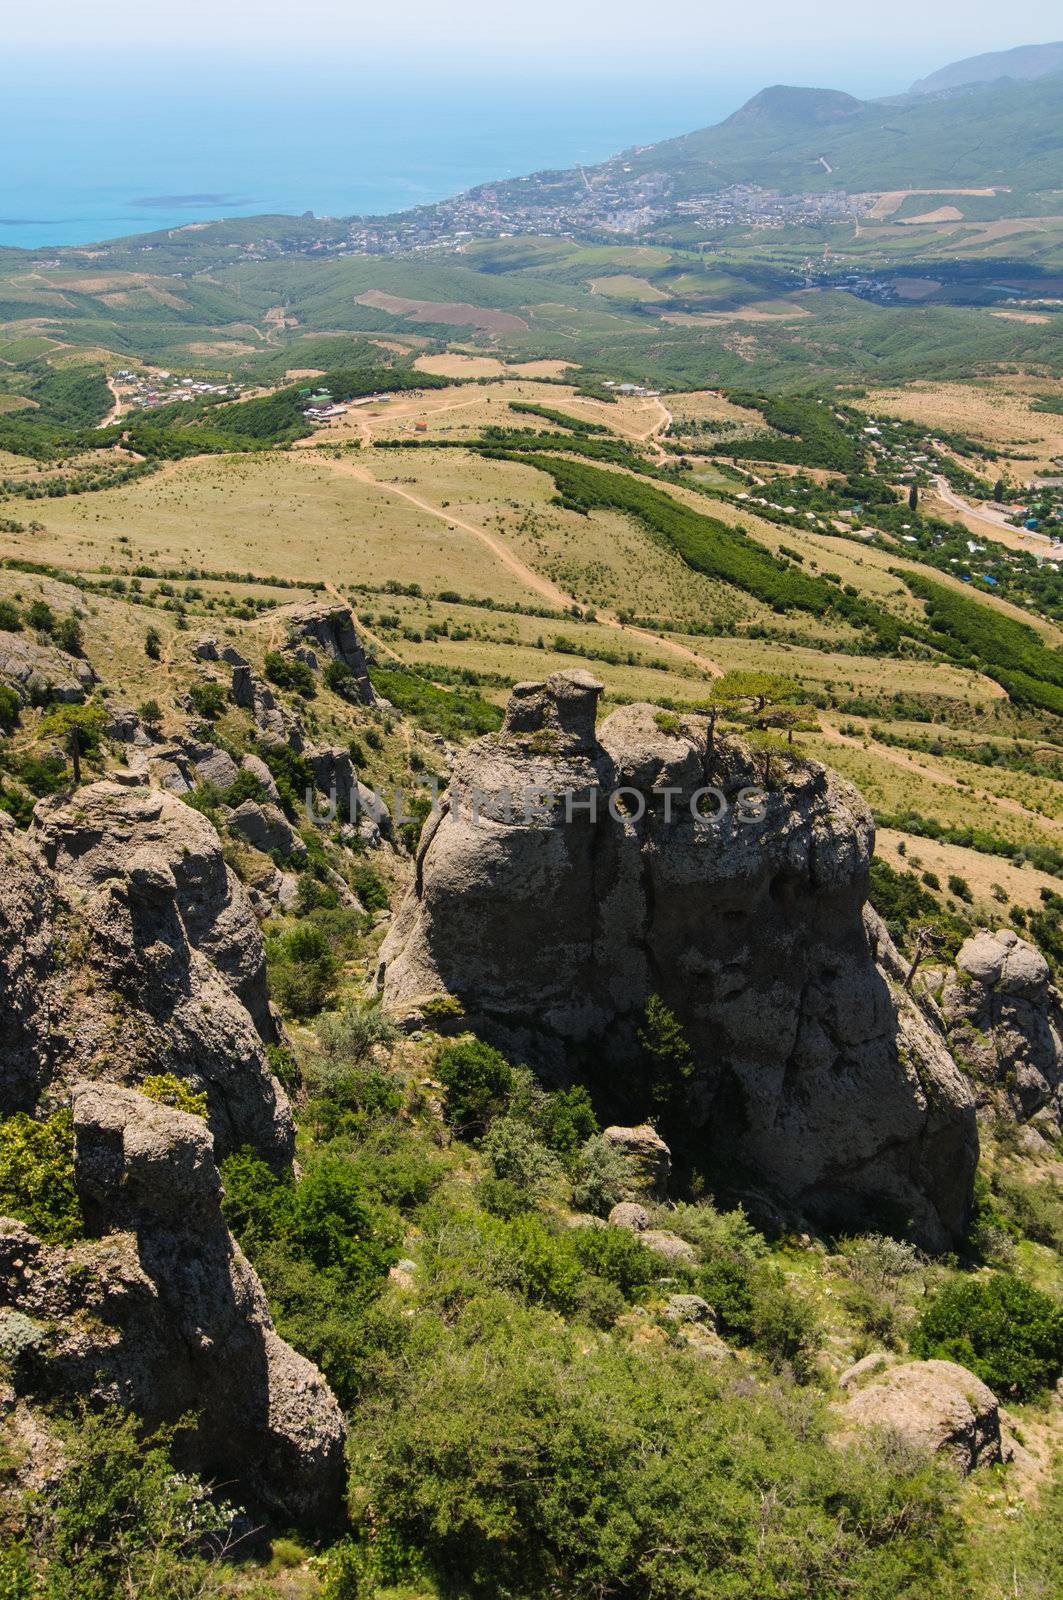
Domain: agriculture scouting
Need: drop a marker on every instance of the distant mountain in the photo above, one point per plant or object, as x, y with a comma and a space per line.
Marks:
785, 107
1003, 133
1027, 62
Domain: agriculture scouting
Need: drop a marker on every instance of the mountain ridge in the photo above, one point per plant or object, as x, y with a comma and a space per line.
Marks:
1025, 63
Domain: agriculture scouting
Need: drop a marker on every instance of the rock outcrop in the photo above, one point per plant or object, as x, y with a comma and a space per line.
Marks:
647, 1157
326, 630
267, 829
933, 1406
567, 878
1005, 1021
276, 724
42, 672
159, 1312
128, 948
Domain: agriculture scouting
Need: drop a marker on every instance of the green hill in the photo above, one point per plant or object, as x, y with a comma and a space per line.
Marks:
797, 140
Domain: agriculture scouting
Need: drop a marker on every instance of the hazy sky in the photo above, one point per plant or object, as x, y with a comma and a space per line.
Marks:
843, 42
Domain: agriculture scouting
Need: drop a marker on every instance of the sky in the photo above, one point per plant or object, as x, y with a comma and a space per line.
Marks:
844, 43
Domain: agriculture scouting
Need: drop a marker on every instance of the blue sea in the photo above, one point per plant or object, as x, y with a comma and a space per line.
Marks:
98, 146
101, 143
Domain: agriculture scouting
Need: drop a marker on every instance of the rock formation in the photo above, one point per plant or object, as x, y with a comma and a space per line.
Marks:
128, 948
1005, 1022
42, 672
159, 1312
554, 919
326, 630
933, 1406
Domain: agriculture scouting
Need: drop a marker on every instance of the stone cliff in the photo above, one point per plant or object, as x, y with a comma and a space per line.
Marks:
553, 922
159, 1312
128, 949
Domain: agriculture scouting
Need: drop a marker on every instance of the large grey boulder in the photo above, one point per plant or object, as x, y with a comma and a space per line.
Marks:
38, 672
266, 828
933, 1406
647, 1158
276, 724
160, 1313
1005, 1021
127, 948
554, 920
260, 772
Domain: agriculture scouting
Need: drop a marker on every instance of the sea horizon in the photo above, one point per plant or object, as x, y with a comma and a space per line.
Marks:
133, 145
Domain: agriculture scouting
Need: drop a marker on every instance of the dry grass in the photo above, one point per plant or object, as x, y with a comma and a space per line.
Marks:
994, 413
286, 514
893, 788
1022, 885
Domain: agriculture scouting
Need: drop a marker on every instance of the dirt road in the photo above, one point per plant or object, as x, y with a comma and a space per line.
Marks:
520, 569
1017, 538
116, 410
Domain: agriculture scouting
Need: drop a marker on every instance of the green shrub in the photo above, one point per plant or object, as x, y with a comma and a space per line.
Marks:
516, 1156
283, 1066
755, 1306
618, 1256
209, 699
40, 616
292, 773
714, 1233
70, 636
304, 970
370, 888
37, 1176
566, 1120
1004, 1330
288, 672
153, 644
1034, 1207
10, 617
245, 786
477, 1080
120, 1520
10, 708
338, 677
347, 1038
524, 1461
322, 1247
600, 1175
170, 1090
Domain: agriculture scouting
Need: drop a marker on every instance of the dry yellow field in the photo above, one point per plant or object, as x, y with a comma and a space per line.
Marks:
1022, 885
993, 412
453, 364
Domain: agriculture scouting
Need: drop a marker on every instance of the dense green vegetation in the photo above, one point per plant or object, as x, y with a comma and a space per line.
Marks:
1009, 651
558, 418
807, 434
453, 713
1004, 1330
37, 1176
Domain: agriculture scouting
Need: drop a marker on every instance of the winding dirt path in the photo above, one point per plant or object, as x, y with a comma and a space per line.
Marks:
116, 410
520, 569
